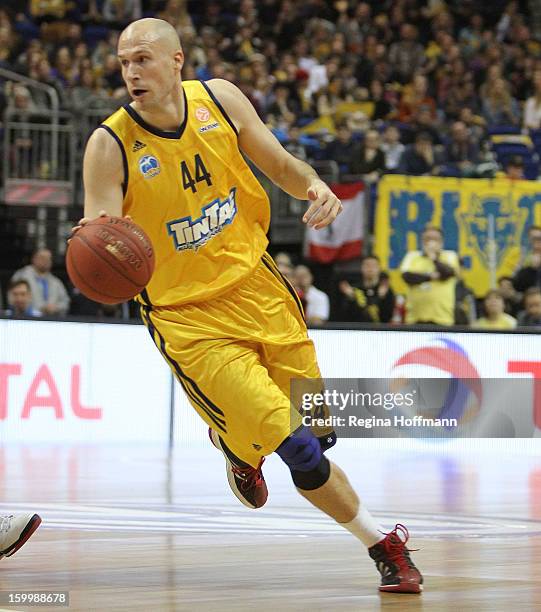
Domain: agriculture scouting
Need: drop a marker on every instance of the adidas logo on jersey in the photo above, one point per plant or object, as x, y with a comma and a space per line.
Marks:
138, 145
188, 234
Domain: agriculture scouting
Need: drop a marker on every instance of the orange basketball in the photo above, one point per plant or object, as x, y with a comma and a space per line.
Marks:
110, 260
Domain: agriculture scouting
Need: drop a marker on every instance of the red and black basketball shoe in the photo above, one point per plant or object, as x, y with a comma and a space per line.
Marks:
246, 482
398, 572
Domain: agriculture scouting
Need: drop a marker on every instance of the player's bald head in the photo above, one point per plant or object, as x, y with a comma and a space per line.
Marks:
155, 32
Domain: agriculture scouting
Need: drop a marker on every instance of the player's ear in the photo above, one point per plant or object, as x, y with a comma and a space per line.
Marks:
179, 59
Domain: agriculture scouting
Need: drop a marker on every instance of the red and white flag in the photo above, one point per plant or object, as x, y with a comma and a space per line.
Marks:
343, 238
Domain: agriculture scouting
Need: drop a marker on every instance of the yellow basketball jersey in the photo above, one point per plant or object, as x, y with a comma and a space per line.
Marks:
195, 196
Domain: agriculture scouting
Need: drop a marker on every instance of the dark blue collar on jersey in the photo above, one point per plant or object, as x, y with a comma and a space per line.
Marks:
154, 130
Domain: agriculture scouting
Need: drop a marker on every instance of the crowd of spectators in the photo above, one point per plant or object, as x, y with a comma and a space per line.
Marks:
328, 76
408, 86
435, 296
34, 291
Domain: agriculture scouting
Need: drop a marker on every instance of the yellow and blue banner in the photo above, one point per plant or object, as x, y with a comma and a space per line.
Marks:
464, 210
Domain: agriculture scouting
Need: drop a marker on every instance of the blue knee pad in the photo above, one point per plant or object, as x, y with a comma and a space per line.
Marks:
302, 453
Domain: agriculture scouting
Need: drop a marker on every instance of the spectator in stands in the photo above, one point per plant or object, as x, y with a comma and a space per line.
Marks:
431, 276
343, 149
363, 19
407, 55
43, 72
81, 56
461, 94
22, 149
111, 75
465, 303
423, 122
529, 273
514, 168
7, 43
415, 96
285, 265
531, 315
382, 107
48, 292
421, 158
371, 299
88, 94
47, 9
531, 119
294, 146
119, 13
511, 297
317, 303
371, 160
520, 73
358, 123
103, 48
471, 37
392, 147
282, 112
28, 59
176, 13
506, 21
327, 102
20, 300
461, 153
475, 123
492, 74
495, 315
364, 69
20, 102
64, 70
499, 107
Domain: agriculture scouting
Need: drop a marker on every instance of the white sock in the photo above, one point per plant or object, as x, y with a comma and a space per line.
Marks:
365, 528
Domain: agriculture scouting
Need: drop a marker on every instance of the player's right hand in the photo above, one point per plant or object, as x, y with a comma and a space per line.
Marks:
86, 220
324, 205
82, 222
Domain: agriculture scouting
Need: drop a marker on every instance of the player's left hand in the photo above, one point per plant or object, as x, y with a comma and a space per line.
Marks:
324, 205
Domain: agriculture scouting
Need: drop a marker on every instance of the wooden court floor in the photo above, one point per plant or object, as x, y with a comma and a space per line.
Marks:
129, 529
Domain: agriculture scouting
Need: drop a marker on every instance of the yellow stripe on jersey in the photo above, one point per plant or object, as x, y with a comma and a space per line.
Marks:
195, 196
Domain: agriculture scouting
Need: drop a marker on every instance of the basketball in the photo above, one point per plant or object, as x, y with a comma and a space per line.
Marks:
110, 260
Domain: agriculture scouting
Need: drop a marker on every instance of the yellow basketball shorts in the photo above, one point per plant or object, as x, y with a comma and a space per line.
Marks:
235, 356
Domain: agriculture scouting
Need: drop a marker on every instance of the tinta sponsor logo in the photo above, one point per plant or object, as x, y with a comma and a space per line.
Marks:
188, 233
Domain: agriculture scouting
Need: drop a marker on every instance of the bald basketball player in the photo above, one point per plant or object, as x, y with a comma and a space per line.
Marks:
15, 530
223, 317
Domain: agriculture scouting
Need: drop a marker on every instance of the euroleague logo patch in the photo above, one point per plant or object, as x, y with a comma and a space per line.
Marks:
149, 166
202, 113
